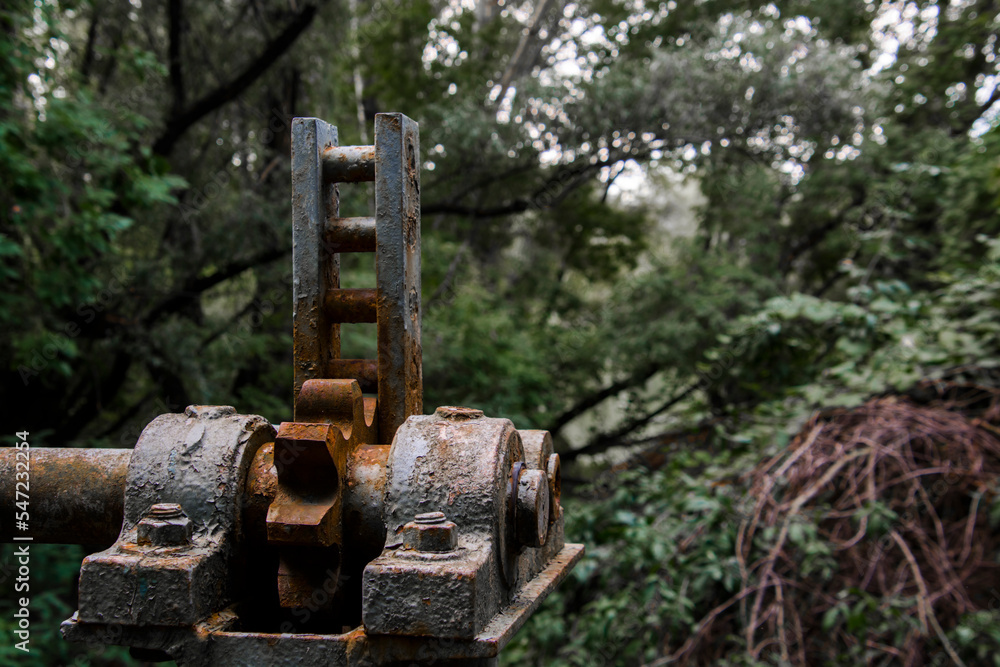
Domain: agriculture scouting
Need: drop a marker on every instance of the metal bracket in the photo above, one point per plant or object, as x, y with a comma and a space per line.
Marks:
319, 235
181, 462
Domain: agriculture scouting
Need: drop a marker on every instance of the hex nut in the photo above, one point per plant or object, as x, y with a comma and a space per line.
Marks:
430, 532
531, 514
165, 525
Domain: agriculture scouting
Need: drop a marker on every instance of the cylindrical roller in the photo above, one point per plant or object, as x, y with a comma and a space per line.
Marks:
76, 496
349, 235
261, 487
351, 305
531, 521
365, 371
537, 448
349, 164
364, 500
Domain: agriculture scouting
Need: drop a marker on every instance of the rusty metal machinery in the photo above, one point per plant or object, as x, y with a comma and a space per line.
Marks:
318, 542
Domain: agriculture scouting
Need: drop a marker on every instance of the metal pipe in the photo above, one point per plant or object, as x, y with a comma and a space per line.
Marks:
351, 305
349, 235
365, 371
364, 500
348, 164
75, 496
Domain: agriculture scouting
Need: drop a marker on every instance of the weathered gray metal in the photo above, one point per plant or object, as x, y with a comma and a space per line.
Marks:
531, 513
218, 640
166, 525
446, 590
349, 235
199, 461
472, 469
319, 235
315, 337
349, 164
431, 533
397, 267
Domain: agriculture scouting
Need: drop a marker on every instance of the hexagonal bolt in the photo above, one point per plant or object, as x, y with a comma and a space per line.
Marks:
165, 525
531, 513
430, 532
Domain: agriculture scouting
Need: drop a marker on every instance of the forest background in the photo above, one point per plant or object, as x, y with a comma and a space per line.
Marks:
666, 232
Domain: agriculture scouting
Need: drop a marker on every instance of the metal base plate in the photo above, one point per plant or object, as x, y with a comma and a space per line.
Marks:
213, 642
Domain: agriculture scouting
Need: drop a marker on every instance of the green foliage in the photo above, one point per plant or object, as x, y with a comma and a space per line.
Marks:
500, 363
661, 570
840, 245
53, 572
801, 352
660, 555
68, 175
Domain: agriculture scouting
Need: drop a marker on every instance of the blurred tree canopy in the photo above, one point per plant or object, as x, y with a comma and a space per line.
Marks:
833, 147
639, 218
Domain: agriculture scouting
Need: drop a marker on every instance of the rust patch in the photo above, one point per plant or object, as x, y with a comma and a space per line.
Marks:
77, 495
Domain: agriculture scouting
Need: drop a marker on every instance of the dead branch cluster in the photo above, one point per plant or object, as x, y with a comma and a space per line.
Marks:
898, 490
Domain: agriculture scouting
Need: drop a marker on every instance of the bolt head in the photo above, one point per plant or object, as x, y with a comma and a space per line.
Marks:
165, 525
430, 532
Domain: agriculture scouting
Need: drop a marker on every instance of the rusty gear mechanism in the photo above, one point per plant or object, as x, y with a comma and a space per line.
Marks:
362, 532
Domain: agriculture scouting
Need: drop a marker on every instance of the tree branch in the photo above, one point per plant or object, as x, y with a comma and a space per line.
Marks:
515, 206
178, 124
605, 441
813, 237
195, 286
88, 51
518, 62
176, 12
598, 397
568, 179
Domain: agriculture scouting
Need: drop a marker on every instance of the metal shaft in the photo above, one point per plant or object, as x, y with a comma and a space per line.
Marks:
76, 496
